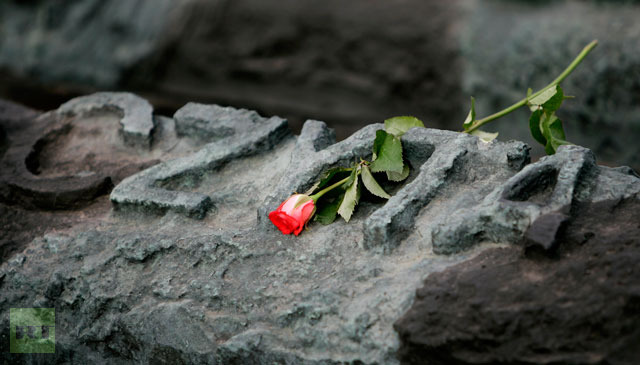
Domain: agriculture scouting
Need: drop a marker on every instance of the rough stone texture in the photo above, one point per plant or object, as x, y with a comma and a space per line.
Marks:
68, 157
19, 182
457, 166
504, 215
213, 122
239, 133
578, 304
435, 156
142, 284
136, 114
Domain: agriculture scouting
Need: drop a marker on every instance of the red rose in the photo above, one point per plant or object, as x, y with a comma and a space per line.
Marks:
293, 214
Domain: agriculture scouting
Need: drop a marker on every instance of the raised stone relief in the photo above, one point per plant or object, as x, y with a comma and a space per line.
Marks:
180, 264
62, 159
575, 303
239, 133
135, 113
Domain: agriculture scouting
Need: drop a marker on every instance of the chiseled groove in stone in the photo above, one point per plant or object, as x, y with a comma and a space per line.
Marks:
440, 157
136, 114
498, 219
314, 153
389, 225
570, 163
436, 154
144, 190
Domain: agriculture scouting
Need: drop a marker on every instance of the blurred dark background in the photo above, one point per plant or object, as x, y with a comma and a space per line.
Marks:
348, 63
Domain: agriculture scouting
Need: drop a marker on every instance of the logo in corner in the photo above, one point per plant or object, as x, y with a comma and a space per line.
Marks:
32, 330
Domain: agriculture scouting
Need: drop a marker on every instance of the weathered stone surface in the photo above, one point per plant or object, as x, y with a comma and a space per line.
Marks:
136, 114
18, 224
544, 230
314, 153
455, 165
213, 122
505, 214
579, 304
158, 188
148, 283
20, 164
68, 157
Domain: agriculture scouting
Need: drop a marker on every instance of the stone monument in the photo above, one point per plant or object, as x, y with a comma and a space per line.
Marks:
149, 236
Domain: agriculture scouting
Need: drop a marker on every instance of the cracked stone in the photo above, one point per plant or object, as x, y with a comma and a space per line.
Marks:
138, 279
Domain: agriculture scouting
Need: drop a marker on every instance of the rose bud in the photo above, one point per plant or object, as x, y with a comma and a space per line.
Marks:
293, 213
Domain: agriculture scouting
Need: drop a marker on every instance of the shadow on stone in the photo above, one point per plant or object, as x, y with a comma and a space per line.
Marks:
579, 306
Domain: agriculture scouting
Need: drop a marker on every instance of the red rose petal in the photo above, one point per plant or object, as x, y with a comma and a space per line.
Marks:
291, 215
285, 223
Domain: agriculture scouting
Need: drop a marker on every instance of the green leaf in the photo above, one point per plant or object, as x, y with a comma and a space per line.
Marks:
550, 99
485, 136
543, 97
472, 115
387, 153
529, 92
394, 176
377, 143
400, 125
328, 212
371, 184
326, 178
534, 126
351, 197
554, 103
553, 131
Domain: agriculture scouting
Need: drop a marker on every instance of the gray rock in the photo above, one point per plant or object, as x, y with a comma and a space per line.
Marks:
575, 304
20, 169
551, 185
135, 113
48, 166
213, 122
441, 158
544, 230
313, 154
148, 283
157, 188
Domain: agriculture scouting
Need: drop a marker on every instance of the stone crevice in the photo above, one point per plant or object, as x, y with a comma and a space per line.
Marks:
230, 288
151, 188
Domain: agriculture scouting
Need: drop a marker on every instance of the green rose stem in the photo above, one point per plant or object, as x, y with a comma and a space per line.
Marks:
480, 122
319, 194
